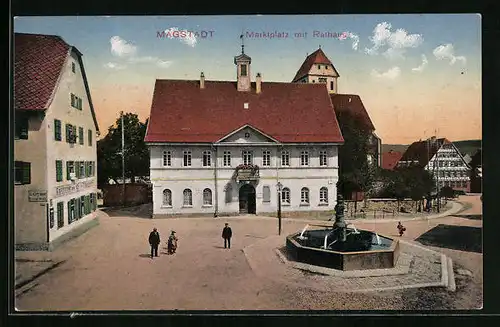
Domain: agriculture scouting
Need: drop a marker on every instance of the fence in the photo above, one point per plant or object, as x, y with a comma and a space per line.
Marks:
135, 194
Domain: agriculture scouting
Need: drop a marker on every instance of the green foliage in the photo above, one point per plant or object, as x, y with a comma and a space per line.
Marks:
446, 192
136, 152
356, 174
408, 182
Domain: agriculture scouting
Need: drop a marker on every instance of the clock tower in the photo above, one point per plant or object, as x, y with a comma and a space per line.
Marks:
242, 63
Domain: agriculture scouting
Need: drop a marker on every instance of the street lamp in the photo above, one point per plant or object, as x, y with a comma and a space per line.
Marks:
279, 187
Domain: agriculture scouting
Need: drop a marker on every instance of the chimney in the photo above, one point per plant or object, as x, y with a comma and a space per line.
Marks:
202, 81
258, 84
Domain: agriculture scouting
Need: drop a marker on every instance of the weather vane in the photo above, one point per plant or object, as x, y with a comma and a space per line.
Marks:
242, 44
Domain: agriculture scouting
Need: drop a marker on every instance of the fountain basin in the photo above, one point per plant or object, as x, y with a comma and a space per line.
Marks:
362, 250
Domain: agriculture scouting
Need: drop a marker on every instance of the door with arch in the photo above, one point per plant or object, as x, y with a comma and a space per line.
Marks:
247, 199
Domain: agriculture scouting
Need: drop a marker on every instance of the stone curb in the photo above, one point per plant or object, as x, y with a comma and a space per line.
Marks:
451, 277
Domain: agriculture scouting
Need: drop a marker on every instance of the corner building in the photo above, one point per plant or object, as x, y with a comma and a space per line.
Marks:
55, 183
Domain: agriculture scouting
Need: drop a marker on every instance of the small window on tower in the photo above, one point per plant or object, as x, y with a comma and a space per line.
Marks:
319, 66
243, 70
331, 85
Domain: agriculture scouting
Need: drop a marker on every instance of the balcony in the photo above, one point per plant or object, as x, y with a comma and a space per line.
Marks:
246, 173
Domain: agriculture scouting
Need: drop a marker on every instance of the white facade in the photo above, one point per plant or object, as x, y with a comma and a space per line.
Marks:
40, 222
170, 177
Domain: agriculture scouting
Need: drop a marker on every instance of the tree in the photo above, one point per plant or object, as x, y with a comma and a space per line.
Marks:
446, 192
356, 173
136, 152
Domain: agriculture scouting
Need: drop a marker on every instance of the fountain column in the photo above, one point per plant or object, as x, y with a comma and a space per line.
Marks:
339, 218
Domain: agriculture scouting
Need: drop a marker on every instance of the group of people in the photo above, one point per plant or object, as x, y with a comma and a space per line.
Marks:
154, 240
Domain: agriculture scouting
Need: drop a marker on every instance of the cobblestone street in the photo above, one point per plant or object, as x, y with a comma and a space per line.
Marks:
109, 268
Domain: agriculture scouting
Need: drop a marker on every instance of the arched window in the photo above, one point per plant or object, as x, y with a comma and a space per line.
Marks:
188, 197
304, 195
207, 196
167, 197
323, 195
285, 195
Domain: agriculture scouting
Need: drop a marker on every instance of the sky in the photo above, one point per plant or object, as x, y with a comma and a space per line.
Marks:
417, 75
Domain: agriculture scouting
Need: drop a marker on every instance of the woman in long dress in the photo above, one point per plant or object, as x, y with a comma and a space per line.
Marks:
172, 243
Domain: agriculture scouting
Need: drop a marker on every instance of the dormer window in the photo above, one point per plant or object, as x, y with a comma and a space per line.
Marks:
243, 70
326, 67
319, 66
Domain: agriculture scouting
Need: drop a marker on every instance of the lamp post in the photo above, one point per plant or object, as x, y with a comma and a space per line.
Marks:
279, 186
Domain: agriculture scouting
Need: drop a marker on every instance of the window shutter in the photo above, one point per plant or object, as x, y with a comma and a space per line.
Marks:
26, 173
72, 100
77, 169
69, 212
80, 135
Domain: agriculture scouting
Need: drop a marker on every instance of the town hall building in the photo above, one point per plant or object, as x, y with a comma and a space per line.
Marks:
229, 147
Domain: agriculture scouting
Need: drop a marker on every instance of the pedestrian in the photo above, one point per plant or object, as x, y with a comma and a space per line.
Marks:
227, 233
154, 241
172, 243
401, 229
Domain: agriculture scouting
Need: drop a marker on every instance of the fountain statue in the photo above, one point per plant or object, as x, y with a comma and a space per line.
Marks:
340, 224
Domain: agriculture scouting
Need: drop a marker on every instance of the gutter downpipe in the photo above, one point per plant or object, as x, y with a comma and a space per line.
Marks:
216, 212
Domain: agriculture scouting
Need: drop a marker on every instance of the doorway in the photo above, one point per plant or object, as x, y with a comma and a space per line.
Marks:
247, 199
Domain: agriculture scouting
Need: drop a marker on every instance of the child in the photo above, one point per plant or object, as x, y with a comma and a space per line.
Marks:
172, 243
401, 229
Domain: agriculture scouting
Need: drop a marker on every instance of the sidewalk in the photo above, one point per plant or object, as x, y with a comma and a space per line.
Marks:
30, 265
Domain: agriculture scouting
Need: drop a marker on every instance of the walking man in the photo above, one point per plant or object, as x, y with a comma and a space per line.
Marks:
401, 229
226, 235
154, 241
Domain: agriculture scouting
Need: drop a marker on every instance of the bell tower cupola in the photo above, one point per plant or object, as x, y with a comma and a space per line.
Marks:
242, 63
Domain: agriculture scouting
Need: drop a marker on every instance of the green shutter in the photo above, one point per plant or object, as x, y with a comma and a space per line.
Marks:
77, 169
90, 137
87, 204
72, 100
69, 212
58, 171
26, 173
80, 135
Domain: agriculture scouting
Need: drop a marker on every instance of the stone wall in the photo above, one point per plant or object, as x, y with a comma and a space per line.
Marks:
135, 194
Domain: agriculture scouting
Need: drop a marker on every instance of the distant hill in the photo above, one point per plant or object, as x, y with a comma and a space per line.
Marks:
465, 147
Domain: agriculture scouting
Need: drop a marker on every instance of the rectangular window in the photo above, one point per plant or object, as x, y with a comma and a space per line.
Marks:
322, 80
71, 211
73, 67
167, 158
21, 122
331, 85
57, 130
70, 170
80, 135
60, 214
266, 158
22, 173
59, 171
207, 158
243, 70
187, 159
87, 168
322, 158
266, 194
82, 206
247, 157
227, 158
82, 170
304, 158
73, 100
90, 137
91, 202
285, 158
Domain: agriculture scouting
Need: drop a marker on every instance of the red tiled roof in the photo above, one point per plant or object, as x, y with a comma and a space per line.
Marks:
423, 151
352, 104
317, 57
390, 159
287, 112
38, 63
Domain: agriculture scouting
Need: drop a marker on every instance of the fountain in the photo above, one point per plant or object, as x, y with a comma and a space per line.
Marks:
341, 247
